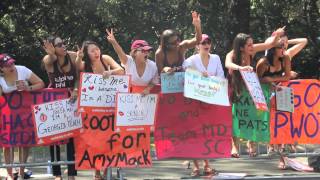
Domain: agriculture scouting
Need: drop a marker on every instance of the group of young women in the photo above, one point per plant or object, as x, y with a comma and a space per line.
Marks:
63, 69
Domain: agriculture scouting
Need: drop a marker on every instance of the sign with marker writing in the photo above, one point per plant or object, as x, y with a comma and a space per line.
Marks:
212, 90
302, 125
172, 83
252, 82
284, 99
95, 91
56, 120
135, 109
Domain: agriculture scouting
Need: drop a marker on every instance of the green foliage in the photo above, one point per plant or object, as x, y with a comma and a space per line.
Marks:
24, 22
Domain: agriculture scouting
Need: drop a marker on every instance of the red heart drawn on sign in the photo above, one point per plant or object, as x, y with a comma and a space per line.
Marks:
121, 113
84, 89
91, 87
43, 117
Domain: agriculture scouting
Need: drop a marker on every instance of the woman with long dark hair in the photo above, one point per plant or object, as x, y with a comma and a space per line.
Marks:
60, 66
241, 58
171, 52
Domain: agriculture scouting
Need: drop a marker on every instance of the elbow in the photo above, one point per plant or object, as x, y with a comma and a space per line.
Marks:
305, 41
41, 85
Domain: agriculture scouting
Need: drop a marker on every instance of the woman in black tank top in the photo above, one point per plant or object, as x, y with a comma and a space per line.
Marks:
171, 52
60, 66
275, 67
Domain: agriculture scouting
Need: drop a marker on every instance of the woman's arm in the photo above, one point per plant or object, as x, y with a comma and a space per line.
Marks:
50, 50
121, 54
78, 60
261, 68
270, 42
36, 83
232, 66
191, 43
115, 68
298, 45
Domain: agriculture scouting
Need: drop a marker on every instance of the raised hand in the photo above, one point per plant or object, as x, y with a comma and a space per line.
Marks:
80, 52
196, 19
48, 47
280, 31
110, 36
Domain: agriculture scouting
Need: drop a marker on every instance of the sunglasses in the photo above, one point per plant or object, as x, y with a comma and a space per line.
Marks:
174, 42
59, 45
143, 51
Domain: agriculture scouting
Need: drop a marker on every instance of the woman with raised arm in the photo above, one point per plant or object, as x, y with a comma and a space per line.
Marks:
273, 68
13, 78
95, 62
209, 65
171, 52
62, 73
240, 58
143, 71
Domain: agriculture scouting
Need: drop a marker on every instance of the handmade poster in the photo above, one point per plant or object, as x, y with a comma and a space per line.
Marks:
172, 83
95, 91
249, 122
284, 99
17, 126
252, 82
212, 90
302, 126
133, 109
187, 128
56, 120
103, 145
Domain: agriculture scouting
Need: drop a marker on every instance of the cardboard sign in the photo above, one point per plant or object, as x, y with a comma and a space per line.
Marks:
249, 122
103, 145
284, 99
95, 91
187, 128
212, 90
303, 125
172, 83
252, 82
17, 127
135, 109
56, 120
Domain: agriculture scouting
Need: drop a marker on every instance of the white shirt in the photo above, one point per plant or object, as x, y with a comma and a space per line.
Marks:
214, 67
23, 74
150, 73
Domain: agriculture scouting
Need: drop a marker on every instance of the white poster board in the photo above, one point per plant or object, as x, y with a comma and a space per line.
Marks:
95, 91
284, 99
252, 82
56, 118
212, 90
133, 109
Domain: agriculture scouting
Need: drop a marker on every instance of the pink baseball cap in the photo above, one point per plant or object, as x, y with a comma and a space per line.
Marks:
205, 37
6, 60
142, 44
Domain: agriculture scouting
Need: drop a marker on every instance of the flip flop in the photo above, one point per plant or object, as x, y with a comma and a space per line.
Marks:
207, 171
195, 173
282, 166
235, 155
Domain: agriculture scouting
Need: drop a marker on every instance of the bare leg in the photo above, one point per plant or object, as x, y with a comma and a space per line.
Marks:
251, 148
196, 170
23, 156
235, 145
97, 175
8, 158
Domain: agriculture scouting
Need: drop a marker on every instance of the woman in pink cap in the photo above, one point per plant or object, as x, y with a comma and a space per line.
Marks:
209, 65
143, 71
12, 78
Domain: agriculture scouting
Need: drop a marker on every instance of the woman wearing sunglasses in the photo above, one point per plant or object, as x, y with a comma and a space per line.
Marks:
171, 52
143, 71
60, 66
12, 78
209, 65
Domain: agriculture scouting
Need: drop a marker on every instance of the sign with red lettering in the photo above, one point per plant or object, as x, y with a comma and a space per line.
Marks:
56, 120
95, 91
103, 145
133, 109
17, 126
301, 126
187, 128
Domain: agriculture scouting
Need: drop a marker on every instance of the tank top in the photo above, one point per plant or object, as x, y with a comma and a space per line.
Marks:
59, 79
276, 73
177, 64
